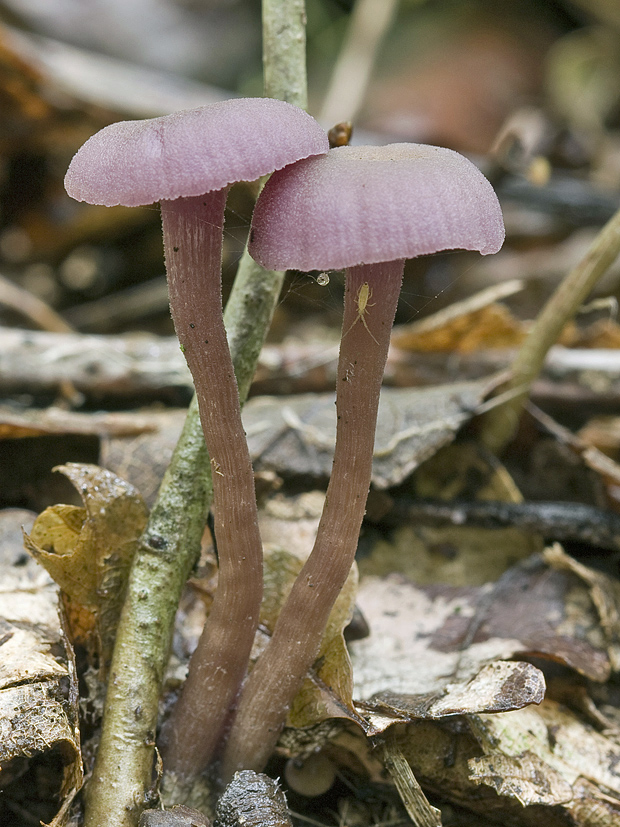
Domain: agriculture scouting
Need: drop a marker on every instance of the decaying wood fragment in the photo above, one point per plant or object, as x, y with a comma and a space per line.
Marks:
252, 799
96, 365
38, 683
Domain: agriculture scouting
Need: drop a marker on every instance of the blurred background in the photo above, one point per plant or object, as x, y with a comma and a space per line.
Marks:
530, 90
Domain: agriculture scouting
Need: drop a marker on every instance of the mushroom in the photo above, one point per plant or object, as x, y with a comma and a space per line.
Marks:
366, 209
187, 161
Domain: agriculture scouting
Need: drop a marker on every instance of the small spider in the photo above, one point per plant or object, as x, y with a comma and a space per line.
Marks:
217, 468
364, 295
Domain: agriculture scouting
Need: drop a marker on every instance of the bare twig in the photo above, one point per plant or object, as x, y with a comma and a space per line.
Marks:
499, 424
33, 308
421, 813
370, 21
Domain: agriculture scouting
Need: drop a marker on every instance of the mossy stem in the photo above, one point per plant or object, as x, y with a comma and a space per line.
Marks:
284, 51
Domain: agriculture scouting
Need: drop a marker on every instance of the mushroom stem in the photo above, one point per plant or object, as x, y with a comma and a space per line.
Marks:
192, 229
371, 296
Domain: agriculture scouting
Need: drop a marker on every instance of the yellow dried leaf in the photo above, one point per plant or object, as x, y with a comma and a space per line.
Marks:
55, 543
328, 692
88, 551
492, 326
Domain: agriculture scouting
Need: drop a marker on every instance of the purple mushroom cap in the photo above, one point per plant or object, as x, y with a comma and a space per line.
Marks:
191, 152
364, 205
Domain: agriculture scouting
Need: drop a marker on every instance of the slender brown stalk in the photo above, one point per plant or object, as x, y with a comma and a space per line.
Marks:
192, 230
371, 297
169, 548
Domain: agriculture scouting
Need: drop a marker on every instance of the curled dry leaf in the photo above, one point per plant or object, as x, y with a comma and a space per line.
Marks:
88, 552
498, 687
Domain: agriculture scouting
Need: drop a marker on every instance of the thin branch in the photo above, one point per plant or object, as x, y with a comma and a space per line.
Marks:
421, 813
368, 25
499, 425
169, 548
34, 309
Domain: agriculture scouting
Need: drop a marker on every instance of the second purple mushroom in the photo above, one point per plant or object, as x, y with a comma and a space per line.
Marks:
366, 209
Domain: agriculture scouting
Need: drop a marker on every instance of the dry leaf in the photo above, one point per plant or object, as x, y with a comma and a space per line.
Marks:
532, 766
38, 716
295, 435
498, 687
604, 593
327, 692
88, 551
452, 555
142, 459
493, 326
537, 611
423, 637
564, 749
525, 778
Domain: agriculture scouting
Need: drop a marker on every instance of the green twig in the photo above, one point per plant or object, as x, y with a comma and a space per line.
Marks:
248, 315
122, 776
499, 424
284, 51
123, 770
